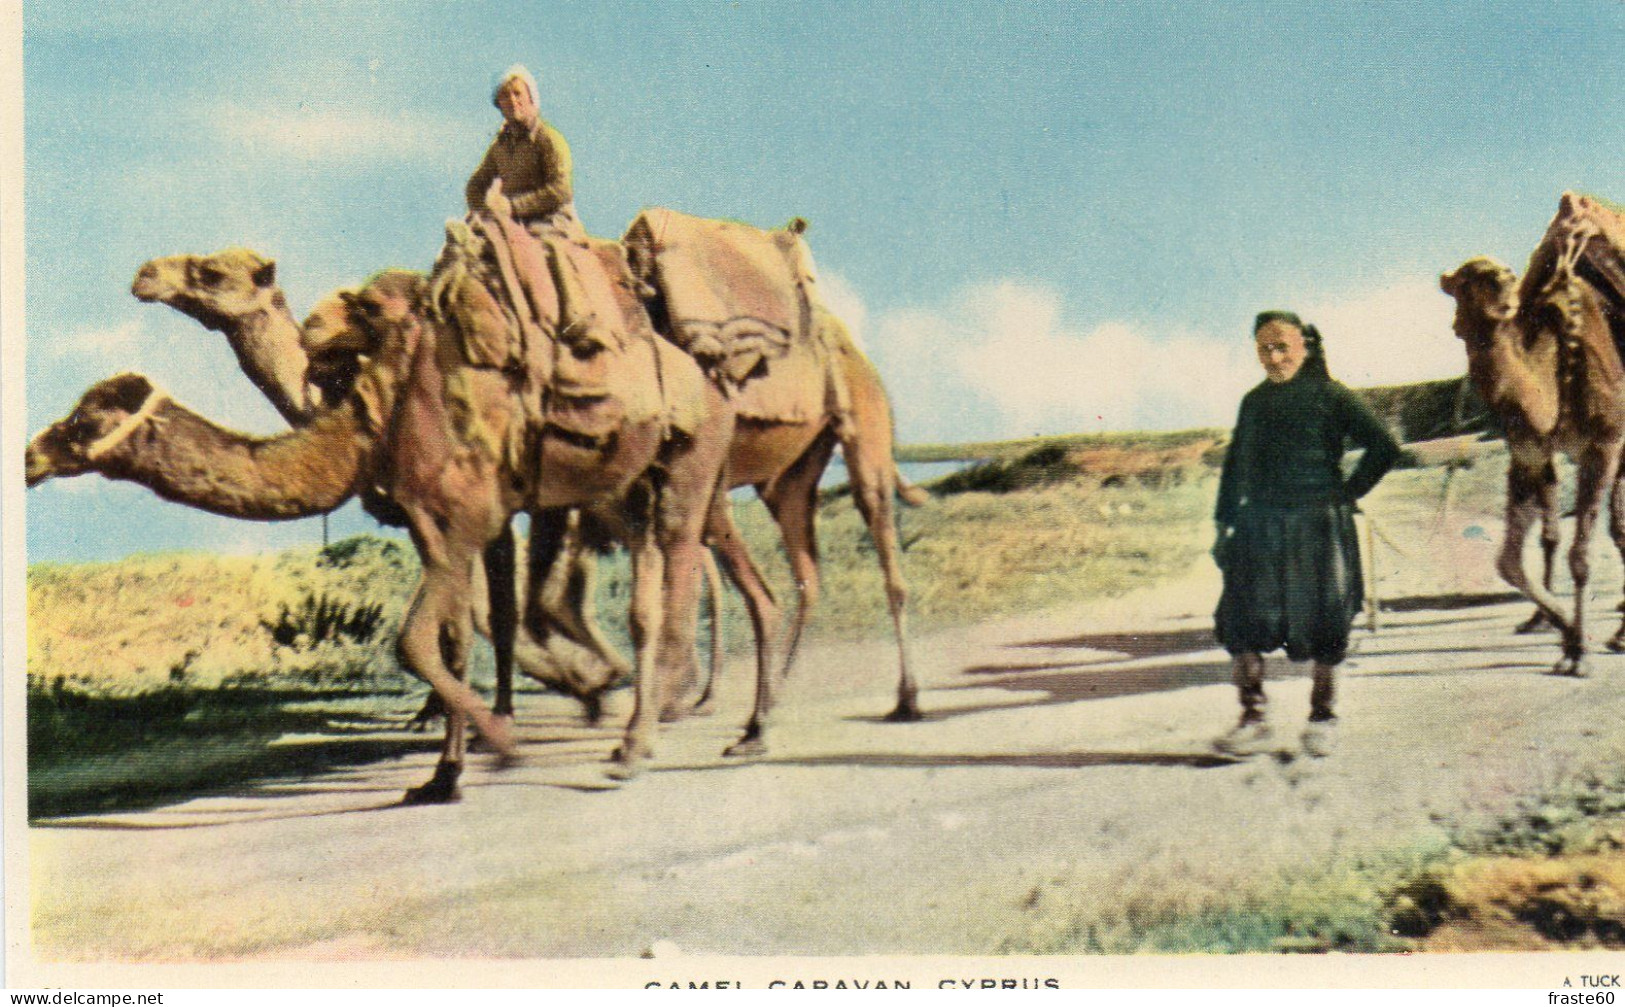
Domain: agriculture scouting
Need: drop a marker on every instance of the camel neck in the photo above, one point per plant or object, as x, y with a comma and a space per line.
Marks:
190, 460
269, 351
1512, 379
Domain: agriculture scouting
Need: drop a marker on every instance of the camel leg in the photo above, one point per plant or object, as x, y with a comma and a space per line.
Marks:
576, 607
455, 642
1550, 535
549, 612
1523, 506
433, 644
504, 614
648, 589
792, 499
764, 618
874, 487
684, 570
1598, 467
1616, 529
713, 590
501, 617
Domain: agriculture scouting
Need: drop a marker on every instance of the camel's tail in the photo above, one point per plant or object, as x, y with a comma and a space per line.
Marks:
911, 494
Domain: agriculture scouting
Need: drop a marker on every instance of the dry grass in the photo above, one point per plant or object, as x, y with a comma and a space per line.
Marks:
1530, 903
153, 621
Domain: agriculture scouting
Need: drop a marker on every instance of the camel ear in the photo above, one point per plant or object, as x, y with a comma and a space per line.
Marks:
265, 275
1567, 203
1449, 283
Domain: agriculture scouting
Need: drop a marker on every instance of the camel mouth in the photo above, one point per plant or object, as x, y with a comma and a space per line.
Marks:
1503, 310
146, 288
37, 468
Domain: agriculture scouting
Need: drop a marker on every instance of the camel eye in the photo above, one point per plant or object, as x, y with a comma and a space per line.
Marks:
210, 276
587, 349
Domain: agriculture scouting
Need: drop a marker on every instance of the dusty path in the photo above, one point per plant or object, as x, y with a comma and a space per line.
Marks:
1064, 764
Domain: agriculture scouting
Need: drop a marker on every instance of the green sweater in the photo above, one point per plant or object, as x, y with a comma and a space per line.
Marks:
534, 165
1287, 450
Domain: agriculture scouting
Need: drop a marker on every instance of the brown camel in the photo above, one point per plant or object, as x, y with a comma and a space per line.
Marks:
1544, 359
784, 460
453, 445
235, 292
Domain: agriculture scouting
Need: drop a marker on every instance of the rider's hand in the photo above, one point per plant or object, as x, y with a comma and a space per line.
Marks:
497, 202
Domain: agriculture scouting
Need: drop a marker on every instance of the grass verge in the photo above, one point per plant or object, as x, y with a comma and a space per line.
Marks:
91, 751
1550, 875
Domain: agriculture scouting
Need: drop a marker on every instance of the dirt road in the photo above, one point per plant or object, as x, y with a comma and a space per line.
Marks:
1064, 765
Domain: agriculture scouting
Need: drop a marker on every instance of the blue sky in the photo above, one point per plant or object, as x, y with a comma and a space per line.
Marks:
1041, 218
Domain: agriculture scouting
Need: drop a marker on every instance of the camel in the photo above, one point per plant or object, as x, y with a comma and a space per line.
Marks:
1543, 357
453, 446
235, 292
784, 461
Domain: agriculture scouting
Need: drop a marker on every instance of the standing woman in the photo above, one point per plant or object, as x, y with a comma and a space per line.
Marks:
1286, 539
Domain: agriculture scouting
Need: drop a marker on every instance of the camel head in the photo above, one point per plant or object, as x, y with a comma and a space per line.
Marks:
357, 323
218, 290
235, 292
1485, 290
345, 329
103, 420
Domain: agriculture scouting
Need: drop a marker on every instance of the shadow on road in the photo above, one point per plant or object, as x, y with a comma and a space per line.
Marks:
1013, 760
1136, 645
1448, 602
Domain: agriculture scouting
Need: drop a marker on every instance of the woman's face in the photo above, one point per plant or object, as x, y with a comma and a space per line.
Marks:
518, 105
1281, 350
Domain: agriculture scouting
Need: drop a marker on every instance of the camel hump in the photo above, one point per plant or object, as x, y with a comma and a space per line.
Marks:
734, 295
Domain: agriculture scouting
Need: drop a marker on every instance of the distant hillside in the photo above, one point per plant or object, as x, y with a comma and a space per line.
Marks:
1420, 412
1431, 409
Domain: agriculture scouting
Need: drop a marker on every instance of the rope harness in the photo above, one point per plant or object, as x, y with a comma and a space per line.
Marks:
121, 433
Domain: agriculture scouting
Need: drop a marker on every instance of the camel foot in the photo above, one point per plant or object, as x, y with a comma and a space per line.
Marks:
1537, 623
706, 706
592, 706
478, 743
907, 712
752, 743
441, 788
498, 738
681, 707
1616, 644
628, 760
1571, 666
433, 709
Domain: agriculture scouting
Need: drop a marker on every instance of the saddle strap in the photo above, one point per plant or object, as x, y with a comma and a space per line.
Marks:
518, 293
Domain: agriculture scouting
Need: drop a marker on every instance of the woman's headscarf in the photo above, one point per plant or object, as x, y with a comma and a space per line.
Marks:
516, 72
1314, 362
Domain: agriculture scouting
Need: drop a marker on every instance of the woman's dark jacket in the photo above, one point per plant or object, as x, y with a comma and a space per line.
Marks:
1286, 531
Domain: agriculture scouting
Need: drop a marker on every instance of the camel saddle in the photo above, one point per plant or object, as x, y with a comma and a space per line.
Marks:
590, 378
740, 301
1594, 233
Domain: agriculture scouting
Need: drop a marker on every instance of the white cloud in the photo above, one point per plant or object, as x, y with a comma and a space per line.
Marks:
1006, 346
1395, 335
344, 136
843, 299
1000, 360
